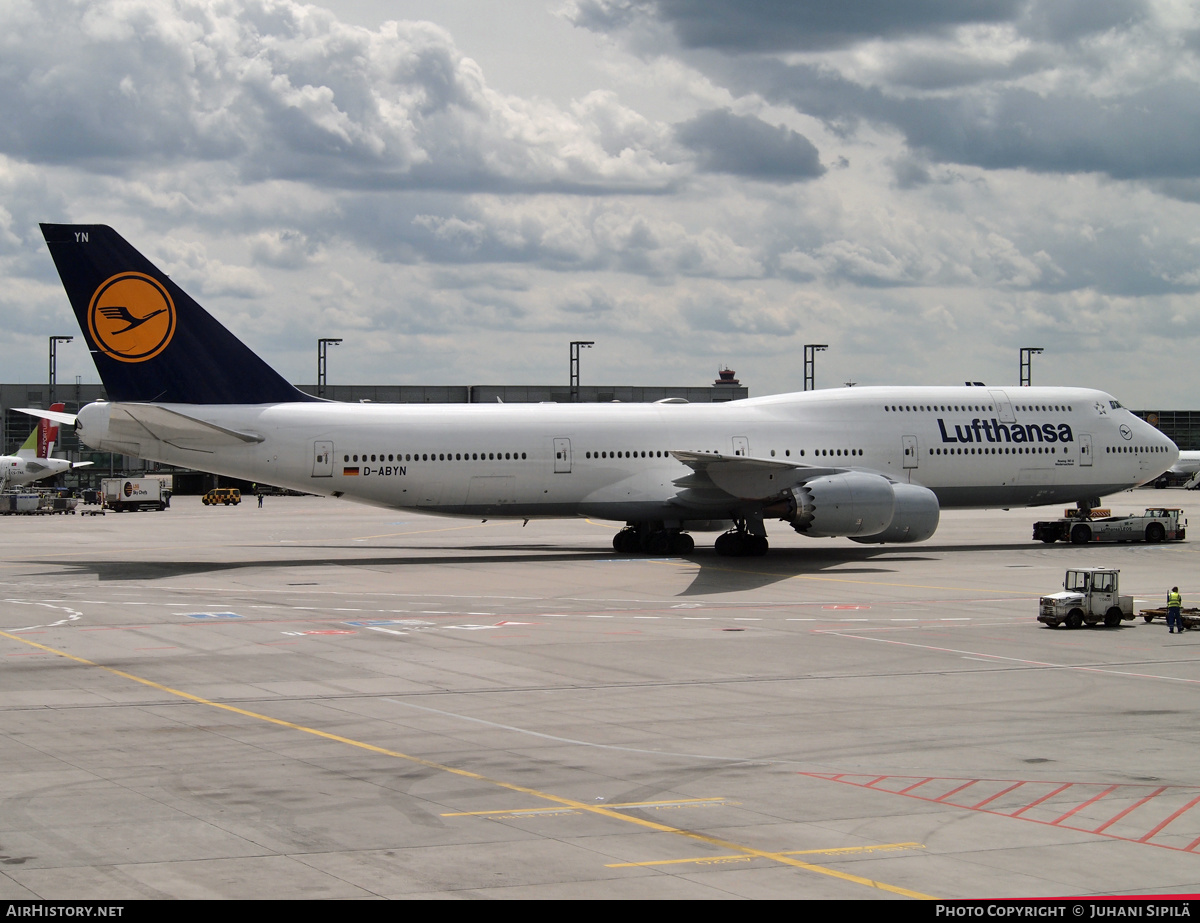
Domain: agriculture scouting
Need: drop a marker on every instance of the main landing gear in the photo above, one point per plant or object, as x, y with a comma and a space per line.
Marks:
747, 539
740, 543
653, 538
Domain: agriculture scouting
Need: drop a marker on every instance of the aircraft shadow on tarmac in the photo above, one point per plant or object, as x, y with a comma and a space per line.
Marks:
713, 574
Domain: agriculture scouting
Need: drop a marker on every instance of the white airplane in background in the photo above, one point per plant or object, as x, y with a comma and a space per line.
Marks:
33, 460
872, 464
1188, 463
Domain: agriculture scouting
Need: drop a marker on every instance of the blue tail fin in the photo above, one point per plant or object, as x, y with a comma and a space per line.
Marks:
150, 341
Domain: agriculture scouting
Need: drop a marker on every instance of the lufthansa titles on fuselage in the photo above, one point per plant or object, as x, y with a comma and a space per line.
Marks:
994, 431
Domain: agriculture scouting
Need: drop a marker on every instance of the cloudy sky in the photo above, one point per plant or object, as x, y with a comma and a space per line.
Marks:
459, 188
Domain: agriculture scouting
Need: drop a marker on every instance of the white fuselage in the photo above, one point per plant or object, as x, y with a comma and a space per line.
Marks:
972, 446
1187, 463
19, 470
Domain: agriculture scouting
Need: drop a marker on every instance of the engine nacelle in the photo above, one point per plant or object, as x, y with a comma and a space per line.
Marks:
842, 504
916, 517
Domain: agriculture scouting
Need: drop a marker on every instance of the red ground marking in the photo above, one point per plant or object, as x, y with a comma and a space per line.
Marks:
1034, 804
1079, 807
976, 807
1186, 807
1137, 804
957, 790
907, 786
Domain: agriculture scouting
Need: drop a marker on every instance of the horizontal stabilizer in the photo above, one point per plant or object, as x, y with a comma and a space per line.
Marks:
136, 423
55, 415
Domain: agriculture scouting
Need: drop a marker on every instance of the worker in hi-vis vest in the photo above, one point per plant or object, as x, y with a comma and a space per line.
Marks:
1174, 604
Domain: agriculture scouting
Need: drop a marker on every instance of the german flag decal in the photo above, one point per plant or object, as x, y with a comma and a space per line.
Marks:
349, 471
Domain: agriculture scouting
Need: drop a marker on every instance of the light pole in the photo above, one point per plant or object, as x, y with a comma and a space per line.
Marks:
1027, 354
577, 345
54, 341
810, 355
323, 345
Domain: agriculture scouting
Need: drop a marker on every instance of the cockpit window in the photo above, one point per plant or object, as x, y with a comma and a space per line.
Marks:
1116, 405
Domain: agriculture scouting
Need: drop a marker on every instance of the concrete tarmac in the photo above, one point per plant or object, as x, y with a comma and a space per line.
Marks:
323, 700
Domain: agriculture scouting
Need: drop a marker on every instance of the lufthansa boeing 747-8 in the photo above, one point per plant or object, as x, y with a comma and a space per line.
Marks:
871, 464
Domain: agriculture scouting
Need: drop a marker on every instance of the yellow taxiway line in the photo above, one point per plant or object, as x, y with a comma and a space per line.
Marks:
599, 810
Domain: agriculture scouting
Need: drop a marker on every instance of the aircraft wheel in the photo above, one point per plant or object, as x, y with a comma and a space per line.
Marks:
659, 543
728, 544
626, 542
757, 545
683, 544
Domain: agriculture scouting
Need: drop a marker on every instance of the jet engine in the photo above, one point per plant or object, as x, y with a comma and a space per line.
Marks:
916, 517
842, 504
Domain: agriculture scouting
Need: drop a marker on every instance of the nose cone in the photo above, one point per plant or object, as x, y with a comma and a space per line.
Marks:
1165, 452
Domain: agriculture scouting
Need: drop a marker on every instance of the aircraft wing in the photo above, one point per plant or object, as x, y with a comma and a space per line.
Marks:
745, 478
135, 423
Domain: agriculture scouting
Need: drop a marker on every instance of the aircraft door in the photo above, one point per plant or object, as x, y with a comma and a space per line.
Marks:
322, 459
1003, 406
910, 451
741, 446
1085, 449
562, 455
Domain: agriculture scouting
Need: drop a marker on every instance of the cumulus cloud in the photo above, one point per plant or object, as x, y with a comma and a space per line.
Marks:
749, 147
1041, 85
1005, 170
567, 234
767, 25
189, 264
282, 248
287, 91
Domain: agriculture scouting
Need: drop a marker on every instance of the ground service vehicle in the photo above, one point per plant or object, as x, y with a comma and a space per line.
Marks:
1188, 618
128, 494
1158, 524
223, 496
1090, 596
